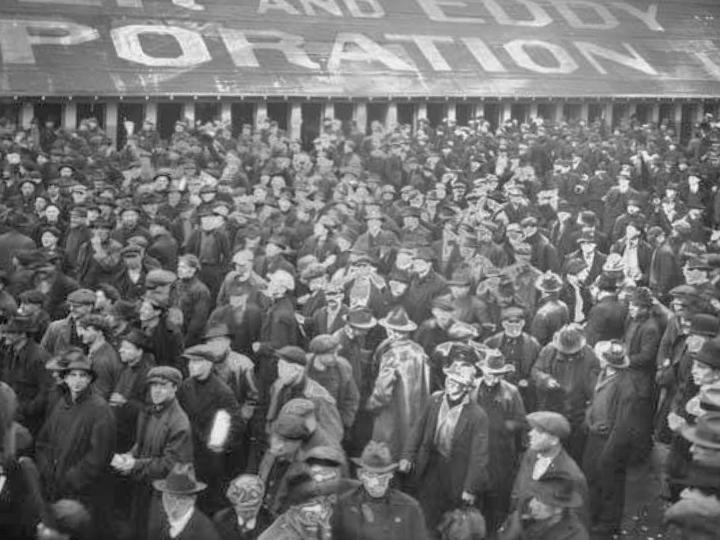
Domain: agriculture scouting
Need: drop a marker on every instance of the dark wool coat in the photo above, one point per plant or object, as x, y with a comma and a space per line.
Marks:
198, 528
606, 320
551, 315
357, 516
192, 297
74, 448
420, 294
279, 326
167, 344
469, 453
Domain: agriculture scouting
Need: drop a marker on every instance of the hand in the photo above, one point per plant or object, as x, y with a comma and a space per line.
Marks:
552, 383
404, 466
256, 346
522, 383
675, 422
467, 498
117, 399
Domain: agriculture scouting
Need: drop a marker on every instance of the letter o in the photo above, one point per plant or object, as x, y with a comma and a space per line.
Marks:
127, 44
516, 49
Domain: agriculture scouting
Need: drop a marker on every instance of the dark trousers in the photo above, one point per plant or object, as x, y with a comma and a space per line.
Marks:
435, 493
606, 480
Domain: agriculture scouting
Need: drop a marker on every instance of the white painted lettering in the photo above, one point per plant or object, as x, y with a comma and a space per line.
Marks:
242, 50
372, 9
356, 47
649, 17
193, 50
433, 9
427, 46
568, 9
704, 51
279, 5
18, 36
517, 49
633, 60
329, 6
482, 53
539, 16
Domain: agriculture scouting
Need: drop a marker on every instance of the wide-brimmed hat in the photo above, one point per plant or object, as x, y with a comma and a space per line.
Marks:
398, 320
703, 324
303, 487
180, 481
556, 488
614, 353
461, 372
360, 317
75, 359
494, 363
706, 432
549, 282
376, 458
570, 339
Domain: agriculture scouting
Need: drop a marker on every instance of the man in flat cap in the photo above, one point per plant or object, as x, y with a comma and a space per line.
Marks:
192, 297
163, 439
210, 244
130, 280
165, 337
62, 333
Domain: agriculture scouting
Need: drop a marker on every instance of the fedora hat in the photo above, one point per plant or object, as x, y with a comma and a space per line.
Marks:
360, 317
180, 481
570, 339
398, 320
709, 353
376, 458
614, 353
706, 432
494, 363
549, 282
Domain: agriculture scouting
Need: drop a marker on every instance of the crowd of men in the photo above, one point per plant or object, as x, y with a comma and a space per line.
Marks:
412, 333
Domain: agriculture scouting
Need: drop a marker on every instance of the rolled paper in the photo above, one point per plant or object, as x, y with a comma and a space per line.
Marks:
220, 429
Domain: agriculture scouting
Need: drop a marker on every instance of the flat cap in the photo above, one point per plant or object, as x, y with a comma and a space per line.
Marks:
164, 374
82, 297
291, 426
323, 344
298, 407
292, 354
550, 422
202, 352
159, 277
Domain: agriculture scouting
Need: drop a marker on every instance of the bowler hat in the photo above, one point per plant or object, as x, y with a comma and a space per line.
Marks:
703, 324
376, 458
494, 363
550, 422
709, 353
75, 359
180, 481
291, 426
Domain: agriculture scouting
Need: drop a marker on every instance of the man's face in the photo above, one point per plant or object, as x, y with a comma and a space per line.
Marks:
272, 250
397, 288
77, 380
288, 371
441, 316
282, 447
695, 342
421, 266
78, 311
176, 506
88, 334
147, 311
162, 392
48, 240
200, 368
129, 218
513, 326
376, 484
540, 441
454, 390
694, 275
133, 261
185, 271
703, 374
129, 352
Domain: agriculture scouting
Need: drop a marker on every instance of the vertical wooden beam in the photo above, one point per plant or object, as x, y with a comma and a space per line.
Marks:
391, 119
677, 117
506, 113
699, 112
27, 113
533, 111
585, 111
189, 113
632, 109
69, 115
328, 110
360, 114
559, 111
151, 112
296, 119
226, 112
111, 120
655, 113
451, 111
260, 112
608, 115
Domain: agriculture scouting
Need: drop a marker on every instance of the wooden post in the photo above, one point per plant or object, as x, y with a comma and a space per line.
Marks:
260, 112
677, 117
632, 109
608, 115
151, 112
328, 110
296, 119
69, 115
189, 113
533, 111
559, 111
451, 112
506, 113
391, 119
27, 113
111, 120
361, 116
699, 112
585, 112
655, 113
226, 112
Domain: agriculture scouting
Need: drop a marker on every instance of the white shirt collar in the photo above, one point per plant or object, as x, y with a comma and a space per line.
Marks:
176, 527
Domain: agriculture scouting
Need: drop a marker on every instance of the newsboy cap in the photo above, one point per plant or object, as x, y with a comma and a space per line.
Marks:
550, 422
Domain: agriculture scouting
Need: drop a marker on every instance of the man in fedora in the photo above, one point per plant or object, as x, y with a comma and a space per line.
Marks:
504, 407
609, 420
550, 513
606, 318
246, 518
75, 445
181, 519
552, 313
374, 510
22, 366
564, 375
447, 450
402, 385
